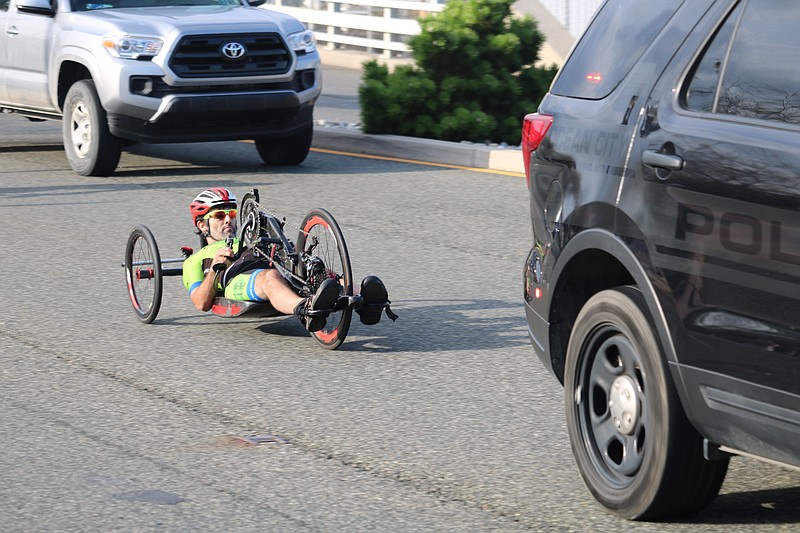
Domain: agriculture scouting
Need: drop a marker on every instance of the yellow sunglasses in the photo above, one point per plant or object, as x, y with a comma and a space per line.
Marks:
220, 214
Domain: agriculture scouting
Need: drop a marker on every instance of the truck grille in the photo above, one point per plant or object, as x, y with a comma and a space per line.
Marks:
201, 56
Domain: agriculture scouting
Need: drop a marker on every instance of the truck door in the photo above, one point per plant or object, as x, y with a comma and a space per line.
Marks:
27, 38
717, 164
4, 4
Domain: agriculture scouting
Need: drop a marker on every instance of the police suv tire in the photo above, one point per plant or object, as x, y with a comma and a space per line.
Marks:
91, 149
637, 452
286, 151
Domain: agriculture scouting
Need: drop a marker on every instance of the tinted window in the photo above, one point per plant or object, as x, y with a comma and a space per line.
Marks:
760, 79
4, 5
704, 80
619, 34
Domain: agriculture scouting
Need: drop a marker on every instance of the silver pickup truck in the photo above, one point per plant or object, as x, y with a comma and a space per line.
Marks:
118, 72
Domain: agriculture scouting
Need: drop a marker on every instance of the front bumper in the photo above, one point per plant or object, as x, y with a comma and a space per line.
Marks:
220, 117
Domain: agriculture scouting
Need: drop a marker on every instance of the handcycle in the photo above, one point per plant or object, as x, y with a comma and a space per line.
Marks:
319, 253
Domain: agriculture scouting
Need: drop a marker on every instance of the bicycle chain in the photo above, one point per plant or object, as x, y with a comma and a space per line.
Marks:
279, 217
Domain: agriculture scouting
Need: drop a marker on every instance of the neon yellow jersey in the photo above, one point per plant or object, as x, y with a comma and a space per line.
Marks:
196, 265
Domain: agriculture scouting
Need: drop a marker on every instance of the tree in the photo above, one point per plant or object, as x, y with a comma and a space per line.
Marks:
473, 80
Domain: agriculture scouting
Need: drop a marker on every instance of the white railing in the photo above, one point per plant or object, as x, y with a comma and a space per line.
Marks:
574, 15
377, 26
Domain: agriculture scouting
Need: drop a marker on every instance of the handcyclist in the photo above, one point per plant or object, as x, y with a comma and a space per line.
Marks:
212, 271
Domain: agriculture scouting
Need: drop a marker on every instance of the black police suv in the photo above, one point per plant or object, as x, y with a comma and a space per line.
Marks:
663, 285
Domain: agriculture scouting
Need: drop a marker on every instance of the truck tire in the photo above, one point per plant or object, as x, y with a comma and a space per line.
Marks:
286, 151
636, 450
90, 147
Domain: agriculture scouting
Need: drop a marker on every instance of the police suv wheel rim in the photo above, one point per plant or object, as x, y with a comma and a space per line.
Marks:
614, 410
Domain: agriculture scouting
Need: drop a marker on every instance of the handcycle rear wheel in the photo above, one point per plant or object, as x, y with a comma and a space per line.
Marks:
143, 273
321, 237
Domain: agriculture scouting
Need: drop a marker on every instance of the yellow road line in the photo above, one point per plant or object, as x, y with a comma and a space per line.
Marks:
415, 162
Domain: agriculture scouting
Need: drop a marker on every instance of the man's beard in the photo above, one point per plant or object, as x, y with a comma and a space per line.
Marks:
223, 233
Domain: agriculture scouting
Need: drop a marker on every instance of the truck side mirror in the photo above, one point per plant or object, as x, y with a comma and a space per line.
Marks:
37, 7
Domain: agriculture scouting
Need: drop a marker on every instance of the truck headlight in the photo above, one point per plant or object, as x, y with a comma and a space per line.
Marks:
131, 47
303, 41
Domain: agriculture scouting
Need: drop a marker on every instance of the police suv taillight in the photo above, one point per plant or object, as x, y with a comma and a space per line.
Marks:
534, 128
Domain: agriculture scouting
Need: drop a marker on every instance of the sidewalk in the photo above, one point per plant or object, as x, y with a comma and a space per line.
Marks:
337, 112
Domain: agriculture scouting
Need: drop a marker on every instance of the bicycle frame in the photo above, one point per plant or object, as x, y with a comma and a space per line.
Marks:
270, 247
263, 245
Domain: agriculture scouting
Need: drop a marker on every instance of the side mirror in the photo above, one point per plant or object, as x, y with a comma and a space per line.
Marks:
37, 7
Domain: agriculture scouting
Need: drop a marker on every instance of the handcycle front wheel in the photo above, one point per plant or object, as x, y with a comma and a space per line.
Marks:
143, 273
321, 239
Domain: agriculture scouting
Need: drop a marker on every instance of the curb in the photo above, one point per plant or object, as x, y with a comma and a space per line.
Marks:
424, 150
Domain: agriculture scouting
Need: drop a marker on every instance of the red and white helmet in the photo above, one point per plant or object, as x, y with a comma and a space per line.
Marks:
209, 199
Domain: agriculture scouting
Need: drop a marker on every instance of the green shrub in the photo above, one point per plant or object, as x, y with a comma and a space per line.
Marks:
474, 77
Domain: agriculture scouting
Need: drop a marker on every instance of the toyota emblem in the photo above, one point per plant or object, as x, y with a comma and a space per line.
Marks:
233, 50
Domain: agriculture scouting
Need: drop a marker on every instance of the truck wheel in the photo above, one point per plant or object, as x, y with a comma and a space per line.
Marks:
636, 450
287, 151
90, 147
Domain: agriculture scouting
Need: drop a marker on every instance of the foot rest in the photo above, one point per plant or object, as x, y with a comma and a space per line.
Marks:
228, 308
375, 300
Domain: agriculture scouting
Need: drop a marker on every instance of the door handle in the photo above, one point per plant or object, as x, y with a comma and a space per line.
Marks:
655, 159
12, 30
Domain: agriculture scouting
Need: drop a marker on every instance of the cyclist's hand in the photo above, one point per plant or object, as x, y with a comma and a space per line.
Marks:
222, 257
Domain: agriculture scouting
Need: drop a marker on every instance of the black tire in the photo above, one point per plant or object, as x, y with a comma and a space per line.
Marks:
90, 147
286, 151
636, 450
143, 274
320, 236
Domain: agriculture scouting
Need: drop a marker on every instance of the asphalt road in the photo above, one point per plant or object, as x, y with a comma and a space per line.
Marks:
339, 103
442, 421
